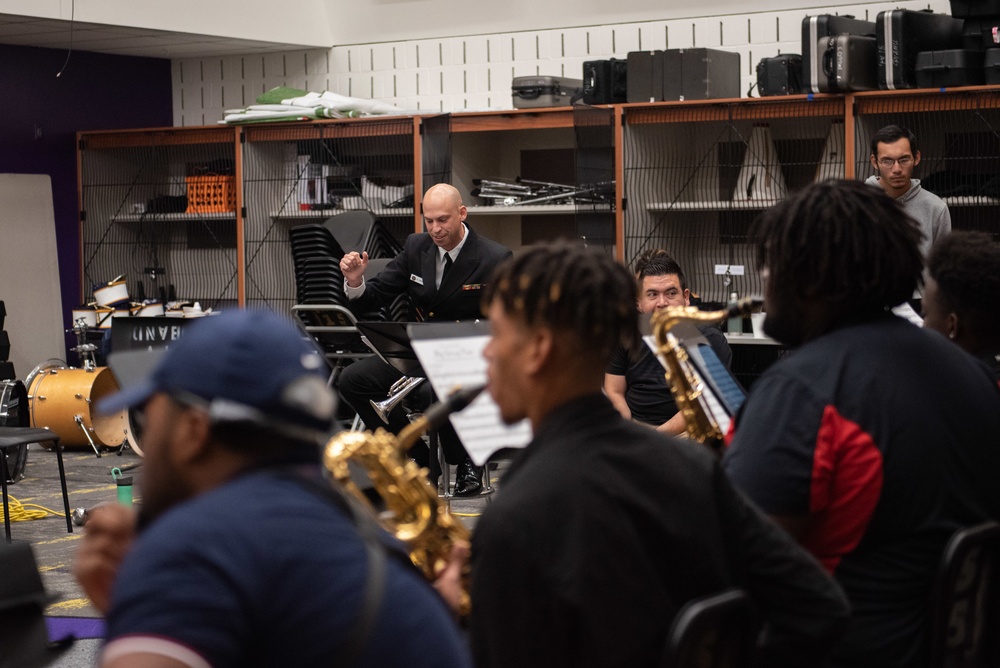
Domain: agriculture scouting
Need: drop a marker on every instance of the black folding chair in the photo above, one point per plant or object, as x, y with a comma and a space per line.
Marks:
24, 636
718, 631
965, 612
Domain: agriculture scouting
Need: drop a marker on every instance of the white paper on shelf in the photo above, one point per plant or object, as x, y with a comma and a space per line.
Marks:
453, 362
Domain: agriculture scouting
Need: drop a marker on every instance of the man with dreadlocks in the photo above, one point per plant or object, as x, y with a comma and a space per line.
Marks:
875, 440
593, 573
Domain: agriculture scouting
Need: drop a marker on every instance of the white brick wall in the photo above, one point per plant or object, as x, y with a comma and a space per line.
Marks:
474, 72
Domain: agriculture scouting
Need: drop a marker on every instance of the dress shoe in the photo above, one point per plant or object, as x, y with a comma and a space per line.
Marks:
468, 479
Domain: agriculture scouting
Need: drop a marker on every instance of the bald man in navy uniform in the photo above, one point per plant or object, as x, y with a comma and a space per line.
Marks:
444, 271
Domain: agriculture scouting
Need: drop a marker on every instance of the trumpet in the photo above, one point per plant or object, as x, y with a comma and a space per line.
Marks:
396, 393
414, 512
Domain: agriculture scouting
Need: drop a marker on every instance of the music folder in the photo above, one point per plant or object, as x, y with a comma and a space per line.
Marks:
451, 354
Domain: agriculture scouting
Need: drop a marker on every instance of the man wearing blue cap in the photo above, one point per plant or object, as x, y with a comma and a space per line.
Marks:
242, 555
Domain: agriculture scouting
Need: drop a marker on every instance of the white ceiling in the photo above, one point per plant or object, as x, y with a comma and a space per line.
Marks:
56, 34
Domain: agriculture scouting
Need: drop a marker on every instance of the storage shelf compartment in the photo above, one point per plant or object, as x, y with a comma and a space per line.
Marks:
327, 213
168, 217
667, 207
536, 209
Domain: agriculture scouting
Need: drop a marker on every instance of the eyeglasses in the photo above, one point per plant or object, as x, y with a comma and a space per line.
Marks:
887, 163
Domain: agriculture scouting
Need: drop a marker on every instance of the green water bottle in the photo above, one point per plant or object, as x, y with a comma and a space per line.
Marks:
124, 485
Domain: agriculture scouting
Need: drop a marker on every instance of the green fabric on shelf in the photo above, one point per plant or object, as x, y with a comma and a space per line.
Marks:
276, 95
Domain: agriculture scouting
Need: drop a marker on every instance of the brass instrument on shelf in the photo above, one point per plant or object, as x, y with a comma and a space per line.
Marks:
414, 513
685, 383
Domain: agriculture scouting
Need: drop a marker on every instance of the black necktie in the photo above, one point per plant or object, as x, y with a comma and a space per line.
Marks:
447, 265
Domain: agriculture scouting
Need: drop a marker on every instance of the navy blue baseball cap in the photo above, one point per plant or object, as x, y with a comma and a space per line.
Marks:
245, 365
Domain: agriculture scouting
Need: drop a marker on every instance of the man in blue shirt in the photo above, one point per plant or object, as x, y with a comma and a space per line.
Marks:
242, 554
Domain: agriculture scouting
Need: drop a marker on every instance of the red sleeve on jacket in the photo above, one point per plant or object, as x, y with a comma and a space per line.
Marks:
845, 489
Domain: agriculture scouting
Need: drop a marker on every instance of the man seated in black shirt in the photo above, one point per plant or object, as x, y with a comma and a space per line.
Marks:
960, 296
635, 381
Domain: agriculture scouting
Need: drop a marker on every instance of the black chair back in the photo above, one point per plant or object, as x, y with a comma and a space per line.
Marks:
718, 631
965, 612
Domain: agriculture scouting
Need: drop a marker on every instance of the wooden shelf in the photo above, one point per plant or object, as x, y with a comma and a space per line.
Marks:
658, 151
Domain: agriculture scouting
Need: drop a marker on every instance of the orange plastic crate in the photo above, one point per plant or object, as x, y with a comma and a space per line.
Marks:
211, 194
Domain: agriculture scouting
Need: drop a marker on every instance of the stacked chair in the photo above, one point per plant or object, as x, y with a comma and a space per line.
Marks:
321, 305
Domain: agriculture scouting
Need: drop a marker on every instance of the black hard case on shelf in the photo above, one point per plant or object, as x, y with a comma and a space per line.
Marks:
991, 66
850, 62
605, 81
700, 74
544, 91
981, 34
780, 75
902, 34
954, 67
825, 25
645, 76
969, 9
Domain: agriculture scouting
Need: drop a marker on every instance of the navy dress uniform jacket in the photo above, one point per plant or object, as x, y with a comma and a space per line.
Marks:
413, 271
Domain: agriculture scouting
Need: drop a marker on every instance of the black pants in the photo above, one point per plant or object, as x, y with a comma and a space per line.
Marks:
371, 378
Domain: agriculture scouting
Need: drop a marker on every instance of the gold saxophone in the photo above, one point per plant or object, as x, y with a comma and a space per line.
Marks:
684, 382
414, 513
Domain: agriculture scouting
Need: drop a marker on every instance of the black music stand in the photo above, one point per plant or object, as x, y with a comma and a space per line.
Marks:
720, 384
720, 380
391, 341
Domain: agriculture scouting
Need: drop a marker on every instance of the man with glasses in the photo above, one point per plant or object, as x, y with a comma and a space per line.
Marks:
894, 156
242, 553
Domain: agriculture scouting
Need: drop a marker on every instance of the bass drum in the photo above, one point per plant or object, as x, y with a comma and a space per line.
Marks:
14, 413
62, 399
132, 431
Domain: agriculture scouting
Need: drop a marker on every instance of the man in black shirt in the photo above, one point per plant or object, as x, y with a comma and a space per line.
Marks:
635, 381
593, 572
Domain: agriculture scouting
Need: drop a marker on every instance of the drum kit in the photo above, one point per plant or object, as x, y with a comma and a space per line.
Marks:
63, 399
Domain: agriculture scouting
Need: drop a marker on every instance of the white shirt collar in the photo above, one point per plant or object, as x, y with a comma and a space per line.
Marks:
457, 249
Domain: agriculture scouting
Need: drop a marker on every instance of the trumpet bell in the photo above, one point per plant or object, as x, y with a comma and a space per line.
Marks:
397, 392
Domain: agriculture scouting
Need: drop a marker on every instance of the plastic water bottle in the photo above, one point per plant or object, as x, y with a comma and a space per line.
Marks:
735, 325
124, 486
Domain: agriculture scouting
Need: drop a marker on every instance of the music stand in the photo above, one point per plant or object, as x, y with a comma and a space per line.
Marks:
391, 342
724, 393
452, 354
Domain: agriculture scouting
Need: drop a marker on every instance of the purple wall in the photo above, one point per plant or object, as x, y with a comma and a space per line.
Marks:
40, 115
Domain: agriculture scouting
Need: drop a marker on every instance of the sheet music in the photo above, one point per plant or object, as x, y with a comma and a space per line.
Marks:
458, 361
715, 408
